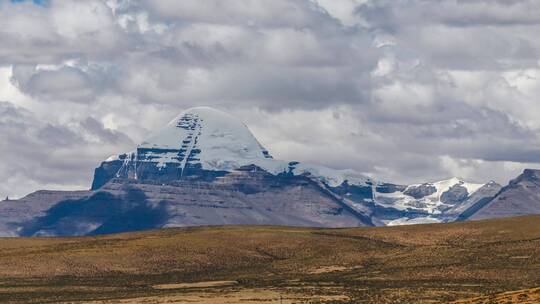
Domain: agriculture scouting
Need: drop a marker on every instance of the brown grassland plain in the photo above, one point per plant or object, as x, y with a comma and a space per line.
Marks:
494, 261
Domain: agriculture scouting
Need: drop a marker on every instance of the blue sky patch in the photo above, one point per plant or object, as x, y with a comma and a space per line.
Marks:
38, 2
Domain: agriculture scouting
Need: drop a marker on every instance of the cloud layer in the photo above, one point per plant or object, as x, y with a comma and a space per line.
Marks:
407, 90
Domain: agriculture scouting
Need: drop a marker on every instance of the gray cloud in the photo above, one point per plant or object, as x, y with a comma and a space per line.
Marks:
62, 30
36, 152
460, 34
65, 83
394, 14
277, 13
407, 90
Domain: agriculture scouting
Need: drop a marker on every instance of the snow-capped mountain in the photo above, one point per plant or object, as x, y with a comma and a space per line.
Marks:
204, 140
204, 143
206, 168
434, 202
433, 198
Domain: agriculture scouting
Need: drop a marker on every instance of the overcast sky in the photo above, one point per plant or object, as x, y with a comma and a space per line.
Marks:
403, 90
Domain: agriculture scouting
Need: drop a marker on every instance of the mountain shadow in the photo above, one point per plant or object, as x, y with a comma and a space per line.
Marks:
101, 213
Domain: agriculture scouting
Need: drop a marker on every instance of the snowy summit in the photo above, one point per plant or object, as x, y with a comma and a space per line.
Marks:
212, 140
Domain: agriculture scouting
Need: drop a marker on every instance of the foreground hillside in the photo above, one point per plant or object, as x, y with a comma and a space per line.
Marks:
251, 264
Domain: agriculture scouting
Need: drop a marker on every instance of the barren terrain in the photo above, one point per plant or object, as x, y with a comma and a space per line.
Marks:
494, 261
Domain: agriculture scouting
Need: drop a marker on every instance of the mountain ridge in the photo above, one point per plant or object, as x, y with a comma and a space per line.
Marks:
520, 197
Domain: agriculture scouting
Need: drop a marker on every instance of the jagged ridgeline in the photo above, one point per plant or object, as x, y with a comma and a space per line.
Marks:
205, 167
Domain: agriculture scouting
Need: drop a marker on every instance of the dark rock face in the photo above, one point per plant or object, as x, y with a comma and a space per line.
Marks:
421, 191
106, 171
528, 176
390, 188
354, 192
456, 194
139, 166
520, 197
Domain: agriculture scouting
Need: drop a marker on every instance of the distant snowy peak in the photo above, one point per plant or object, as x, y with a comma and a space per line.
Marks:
432, 198
446, 190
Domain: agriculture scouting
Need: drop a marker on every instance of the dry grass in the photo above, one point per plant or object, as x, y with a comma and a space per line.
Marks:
412, 264
245, 296
206, 284
524, 296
